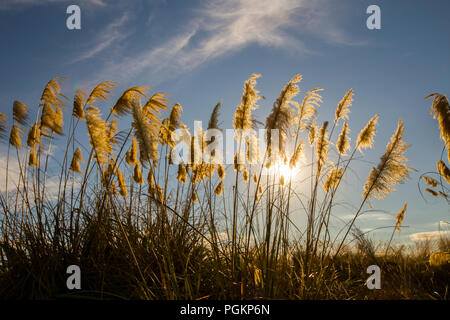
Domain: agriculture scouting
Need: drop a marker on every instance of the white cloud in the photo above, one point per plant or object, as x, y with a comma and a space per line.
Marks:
218, 28
371, 216
13, 172
106, 38
430, 235
222, 28
14, 176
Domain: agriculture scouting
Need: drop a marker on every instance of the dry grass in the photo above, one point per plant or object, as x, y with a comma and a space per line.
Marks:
146, 228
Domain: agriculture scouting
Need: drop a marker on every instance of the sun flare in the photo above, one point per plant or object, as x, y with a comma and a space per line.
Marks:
282, 169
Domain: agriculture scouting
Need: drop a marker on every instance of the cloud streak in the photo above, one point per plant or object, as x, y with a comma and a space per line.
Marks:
430, 235
111, 34
219, 29
371, 216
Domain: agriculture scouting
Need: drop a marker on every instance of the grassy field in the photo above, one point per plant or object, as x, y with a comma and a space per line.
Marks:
143, 227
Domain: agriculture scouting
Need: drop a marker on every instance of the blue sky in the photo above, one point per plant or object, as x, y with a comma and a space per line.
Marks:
201, 52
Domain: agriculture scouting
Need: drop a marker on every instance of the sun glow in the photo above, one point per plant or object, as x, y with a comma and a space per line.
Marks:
282, 169
286, 171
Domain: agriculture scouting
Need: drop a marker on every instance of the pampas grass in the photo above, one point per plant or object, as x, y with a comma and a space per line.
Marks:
189, 231
20, 112
343, 141
367, 135
78, 104
3, 120
342, 109
243, 119
98, 133
14, 137
392, 168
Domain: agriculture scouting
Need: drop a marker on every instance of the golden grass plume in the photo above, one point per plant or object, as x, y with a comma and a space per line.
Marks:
392, 168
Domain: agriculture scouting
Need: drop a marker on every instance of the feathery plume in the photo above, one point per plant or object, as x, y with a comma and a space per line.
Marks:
112, 130
78, 102
194, 196
20, 112
296, 156
322, 146
154, 105
400, 217
122, 185
214, 118
260, 192
14, 137
238, 165
392, 168
151, 179
169, 125
175, 116
76, 159
145, 132
182, 174
343, 141
220, 171
98, 133
282, 115
47, 117
243, 114
52, 94
308, 107
312, 132
58, 121
101, 92
342, 109
219, 188
252, 154
137, 176
32, 160
34, 135
124, 103
443, 170
440, 109
52, 119
164, 135
3, 120
213, 123
333, 178
282, 180
131, 155
433, 183
366, 136
245, 175
255, 178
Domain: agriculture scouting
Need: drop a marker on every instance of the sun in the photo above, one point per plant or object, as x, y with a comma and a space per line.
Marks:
284, 170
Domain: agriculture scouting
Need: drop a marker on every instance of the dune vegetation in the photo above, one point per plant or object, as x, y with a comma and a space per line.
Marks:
141, 226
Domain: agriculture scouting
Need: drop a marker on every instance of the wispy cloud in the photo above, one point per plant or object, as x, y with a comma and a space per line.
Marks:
112, 32
219, 29
15, 177
430, 235
371, 216
13, 173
